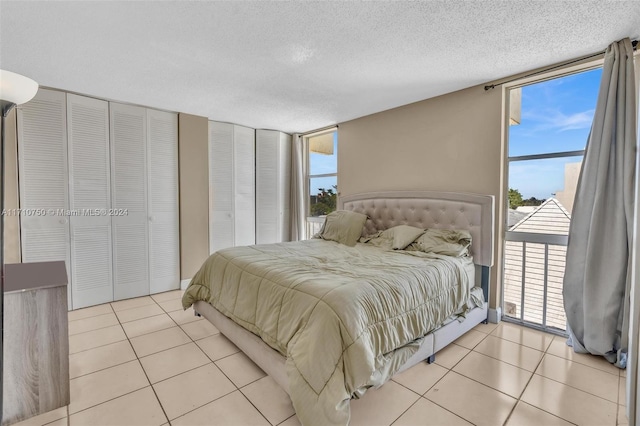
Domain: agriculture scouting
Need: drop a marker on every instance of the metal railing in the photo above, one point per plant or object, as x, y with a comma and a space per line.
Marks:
534, 270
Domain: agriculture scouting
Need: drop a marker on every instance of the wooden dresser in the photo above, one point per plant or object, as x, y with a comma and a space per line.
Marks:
36, 340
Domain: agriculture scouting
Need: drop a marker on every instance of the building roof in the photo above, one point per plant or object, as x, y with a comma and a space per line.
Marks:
515, 216
549, 218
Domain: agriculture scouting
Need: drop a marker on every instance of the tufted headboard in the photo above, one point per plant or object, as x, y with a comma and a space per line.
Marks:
430, 209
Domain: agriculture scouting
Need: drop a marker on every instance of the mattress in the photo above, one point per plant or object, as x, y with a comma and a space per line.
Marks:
344, 317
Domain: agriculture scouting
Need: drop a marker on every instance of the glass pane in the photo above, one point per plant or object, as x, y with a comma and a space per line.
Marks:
534, 264
326, 160
554, 115
323, 194
546, 187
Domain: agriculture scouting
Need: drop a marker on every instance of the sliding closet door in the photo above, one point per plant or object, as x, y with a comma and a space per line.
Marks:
164, 239
244, 156
42, 146
89, 200
129, 201
221, 186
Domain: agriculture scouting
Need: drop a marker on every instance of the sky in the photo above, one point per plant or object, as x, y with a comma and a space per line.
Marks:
556, 117
320, 164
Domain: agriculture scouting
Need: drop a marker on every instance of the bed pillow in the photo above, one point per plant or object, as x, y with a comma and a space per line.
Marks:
450, 242
343, 226
402, 235
378, 240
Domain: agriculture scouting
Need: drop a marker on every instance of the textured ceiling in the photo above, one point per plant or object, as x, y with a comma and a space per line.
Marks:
296, 66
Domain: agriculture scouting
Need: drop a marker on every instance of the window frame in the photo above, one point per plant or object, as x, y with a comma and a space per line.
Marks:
308, 176
507, 160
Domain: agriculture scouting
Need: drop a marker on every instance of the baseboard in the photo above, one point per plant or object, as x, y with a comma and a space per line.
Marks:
495, 315
184, 283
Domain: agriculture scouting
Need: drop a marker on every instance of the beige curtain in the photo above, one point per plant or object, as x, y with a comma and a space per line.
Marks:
297, 189
597, 276
633, 398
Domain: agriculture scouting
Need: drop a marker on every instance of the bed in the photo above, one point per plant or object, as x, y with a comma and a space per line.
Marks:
309, 313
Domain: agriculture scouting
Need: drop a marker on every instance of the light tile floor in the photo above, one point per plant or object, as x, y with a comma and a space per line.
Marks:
146, 362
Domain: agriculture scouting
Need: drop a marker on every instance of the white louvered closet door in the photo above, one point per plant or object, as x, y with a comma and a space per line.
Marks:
267, 193
164, 228
129, 201
273, 158
42, 145
89, 196
244, 162
221, 186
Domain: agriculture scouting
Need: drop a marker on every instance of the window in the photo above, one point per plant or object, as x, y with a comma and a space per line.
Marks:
321, 167
549, 127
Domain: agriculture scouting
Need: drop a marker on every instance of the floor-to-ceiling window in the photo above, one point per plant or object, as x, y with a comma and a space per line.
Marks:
549, 126
321, 165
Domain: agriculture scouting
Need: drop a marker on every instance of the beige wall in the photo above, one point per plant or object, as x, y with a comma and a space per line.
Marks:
11, 223
448, 143
194, 193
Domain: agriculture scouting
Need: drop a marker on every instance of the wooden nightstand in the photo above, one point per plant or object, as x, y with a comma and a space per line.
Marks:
36, 340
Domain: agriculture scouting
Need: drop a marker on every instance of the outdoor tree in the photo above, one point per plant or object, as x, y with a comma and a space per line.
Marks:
515, 198
533, 201
325, 201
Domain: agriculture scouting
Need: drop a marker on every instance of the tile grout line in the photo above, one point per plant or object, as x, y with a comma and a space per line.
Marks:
111, 366
88, 318
92, 330
524, 389
506, 362
257, 409
153, 390
424, 395
584, 365
206, 403
100, 346
578, 389
293, 415
176, 375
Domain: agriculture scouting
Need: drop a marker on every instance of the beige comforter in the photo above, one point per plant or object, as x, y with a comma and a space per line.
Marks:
337, 313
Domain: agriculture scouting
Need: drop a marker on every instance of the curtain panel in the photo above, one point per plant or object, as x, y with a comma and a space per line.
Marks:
297, 189
597, 276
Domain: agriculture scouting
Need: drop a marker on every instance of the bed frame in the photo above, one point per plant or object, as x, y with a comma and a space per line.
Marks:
423, 209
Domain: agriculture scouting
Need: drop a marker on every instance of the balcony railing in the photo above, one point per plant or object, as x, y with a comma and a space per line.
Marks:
533, 274
314, 224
